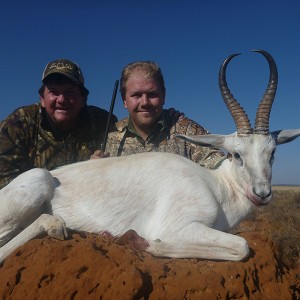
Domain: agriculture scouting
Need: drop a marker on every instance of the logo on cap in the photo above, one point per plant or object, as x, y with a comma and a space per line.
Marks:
61, 65
64, 67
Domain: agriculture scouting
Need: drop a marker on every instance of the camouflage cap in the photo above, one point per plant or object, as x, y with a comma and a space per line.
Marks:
66, 68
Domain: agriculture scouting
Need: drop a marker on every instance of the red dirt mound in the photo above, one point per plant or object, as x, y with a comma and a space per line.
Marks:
90, 266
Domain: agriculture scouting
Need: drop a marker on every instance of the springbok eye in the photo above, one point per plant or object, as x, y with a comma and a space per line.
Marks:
238, 159
236, 155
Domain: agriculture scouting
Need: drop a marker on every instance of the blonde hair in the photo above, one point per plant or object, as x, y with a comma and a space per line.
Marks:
147, 69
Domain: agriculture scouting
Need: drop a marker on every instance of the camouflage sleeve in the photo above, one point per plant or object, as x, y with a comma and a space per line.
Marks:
14, 145
205, 156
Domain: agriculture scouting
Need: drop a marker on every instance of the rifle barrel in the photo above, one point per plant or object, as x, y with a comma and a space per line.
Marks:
112, 104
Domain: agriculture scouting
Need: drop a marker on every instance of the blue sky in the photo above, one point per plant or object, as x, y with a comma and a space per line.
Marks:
188, 39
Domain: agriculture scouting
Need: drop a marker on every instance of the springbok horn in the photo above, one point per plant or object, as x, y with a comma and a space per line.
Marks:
264, 108
240, 118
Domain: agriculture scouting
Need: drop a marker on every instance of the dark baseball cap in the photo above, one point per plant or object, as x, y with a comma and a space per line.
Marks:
66, 68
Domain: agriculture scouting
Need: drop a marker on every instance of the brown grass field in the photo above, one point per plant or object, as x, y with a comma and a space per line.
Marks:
280, 221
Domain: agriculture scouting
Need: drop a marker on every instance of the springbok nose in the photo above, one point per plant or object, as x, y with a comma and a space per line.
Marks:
262, 193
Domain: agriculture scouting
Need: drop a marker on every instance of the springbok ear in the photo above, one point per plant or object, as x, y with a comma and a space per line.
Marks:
207, 140
285, 136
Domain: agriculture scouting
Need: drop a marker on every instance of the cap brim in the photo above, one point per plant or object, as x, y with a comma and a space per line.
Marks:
72, 78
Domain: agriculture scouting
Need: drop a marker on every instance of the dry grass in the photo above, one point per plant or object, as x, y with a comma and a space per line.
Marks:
280, 222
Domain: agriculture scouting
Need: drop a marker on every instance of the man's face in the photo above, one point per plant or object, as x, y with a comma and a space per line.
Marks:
63, 102
144, 100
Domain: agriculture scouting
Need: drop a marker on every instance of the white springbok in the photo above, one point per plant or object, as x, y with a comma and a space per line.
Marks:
178, 207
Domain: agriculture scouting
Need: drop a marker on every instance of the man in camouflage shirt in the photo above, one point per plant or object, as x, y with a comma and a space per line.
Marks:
151, 128
60, 130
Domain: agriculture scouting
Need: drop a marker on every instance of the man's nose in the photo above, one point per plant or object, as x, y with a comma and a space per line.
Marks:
61, 97
145, 99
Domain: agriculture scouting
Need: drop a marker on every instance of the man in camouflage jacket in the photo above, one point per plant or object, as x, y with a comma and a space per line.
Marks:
149, 127
60, 130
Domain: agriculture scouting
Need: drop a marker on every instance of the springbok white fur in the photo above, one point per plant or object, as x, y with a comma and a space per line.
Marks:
178, 207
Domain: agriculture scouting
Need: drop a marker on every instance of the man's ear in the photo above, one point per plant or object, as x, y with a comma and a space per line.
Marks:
124, 103
42, 101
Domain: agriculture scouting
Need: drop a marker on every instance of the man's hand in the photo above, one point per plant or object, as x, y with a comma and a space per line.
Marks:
99, 154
